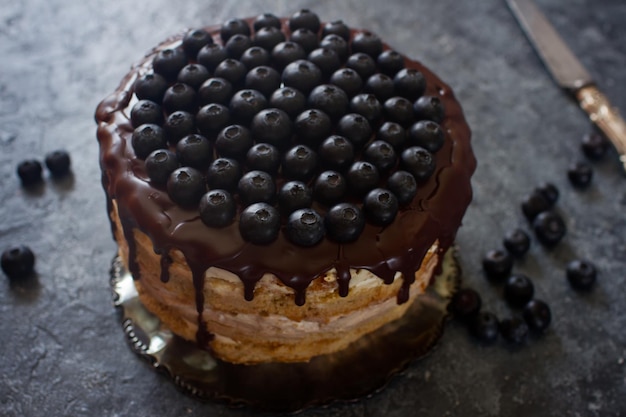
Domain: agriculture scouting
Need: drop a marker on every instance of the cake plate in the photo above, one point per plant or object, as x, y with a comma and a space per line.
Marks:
360, 370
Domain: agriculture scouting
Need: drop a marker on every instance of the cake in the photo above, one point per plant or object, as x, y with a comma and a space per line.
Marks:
280, 187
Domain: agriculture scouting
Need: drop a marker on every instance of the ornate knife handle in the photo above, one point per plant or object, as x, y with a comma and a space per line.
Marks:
605, 117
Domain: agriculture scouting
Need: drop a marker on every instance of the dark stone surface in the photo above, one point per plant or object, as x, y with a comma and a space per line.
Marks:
62, 350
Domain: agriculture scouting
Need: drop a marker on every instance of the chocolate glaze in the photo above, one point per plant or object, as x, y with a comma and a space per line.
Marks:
434, 214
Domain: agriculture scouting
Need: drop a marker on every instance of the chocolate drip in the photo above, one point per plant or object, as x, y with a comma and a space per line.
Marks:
343, 278
166, 261
127, 228
203, 336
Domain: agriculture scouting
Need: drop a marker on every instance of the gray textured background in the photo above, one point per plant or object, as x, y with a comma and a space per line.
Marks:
62, 350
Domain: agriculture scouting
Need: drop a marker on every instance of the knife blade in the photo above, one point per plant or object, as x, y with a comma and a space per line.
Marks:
569, 73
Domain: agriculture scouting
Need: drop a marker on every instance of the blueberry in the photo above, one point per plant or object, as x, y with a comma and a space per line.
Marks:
326, 60
212, 118
366, 105
409, 83
419, 162
302, 75
287, 52
305, 38
355, 128
403, 185
58, 162
329, 187
193, 75
390, 62
393, 134
348, 80
336, 27
549, 192
580, 174
399, 110
29, 171
595, 145
362, 177
18, 262
147, 138
330, 99
299, 163
514, 330
535, 203
381, 154
429, 108
178, 125
336, 152
581, 274
211, 55
256, 187
537, 315
168, 62
465, 303
263, 157
233, 142
266, 20
160, 164
186, 186
259, 223
304, 19
263, 79
146, 111
518, 290
215, 90
217, 208
151, 87
194, 40
294, 195
368, 43
337, 44
179, 97
195, 151
268, 37
380, 206
497, 264
428, 135
344, 222
381, 86
289, 100
224, 173
517, 242
233, 27
237, 45
255, 56
485, 326
363, 64
305, 227
245, 104
232, 71
549, 228
272, 126
312, 127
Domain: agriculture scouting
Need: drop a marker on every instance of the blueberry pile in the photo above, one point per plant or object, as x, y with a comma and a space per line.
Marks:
314, 131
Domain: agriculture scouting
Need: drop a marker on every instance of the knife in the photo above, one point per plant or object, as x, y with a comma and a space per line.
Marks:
569, 73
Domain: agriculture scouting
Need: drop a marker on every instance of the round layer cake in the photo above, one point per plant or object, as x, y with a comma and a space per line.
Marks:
279, 188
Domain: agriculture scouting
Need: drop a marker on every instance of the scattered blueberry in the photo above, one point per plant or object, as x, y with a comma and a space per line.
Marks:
581, 274
186, 186
595, 145
514, 330
58, 162
537, 315
18, 262
465, 303
427, 134
403, 185
348, 80
409, 83
366, 105
263, 79
549, 227
517, 242
344, 222
215, 91
381, 154
419, 162
390, 62
355, 128
193, 75
266, 20
272, 126
255, 56
263, 157
245, 104
497, 264
168, 62
336, 152
194, 40
147, 138
549, 192
305, 38
211, 55
330, 99
294, 195
580, 174
312, 127
224, 173
485, 327
381, 86
233, 142
160, 164
217, 208
212, 118
268, 37
305, 227
178, 125
302, 75
429, 108
304, 19
146, 111
289, 100
299, 163
151, 87
393, 134
233, 27
329, 187
256, 187
518, 290
336, 27
195, 151
259, 223
380, 206
179, 97
535, 203
362, 177
287, 52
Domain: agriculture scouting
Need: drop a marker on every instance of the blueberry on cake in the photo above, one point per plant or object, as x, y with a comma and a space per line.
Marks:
279, 188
